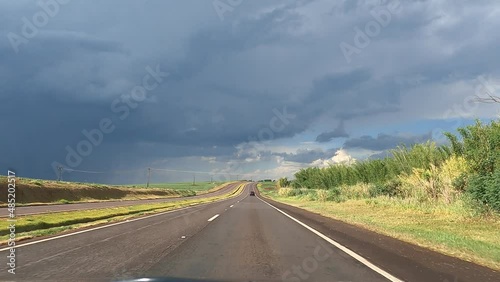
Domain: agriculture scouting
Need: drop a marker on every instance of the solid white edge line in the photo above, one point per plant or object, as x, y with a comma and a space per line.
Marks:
341, 247
213, 217
106, 226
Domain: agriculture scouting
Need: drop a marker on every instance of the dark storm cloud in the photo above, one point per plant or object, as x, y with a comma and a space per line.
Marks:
226, 80
351, 94
385, 141
74, 77
330, 135
339, 132
244, 34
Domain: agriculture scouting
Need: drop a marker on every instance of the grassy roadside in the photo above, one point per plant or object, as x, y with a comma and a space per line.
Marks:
216, 188
49, 224
45, 192
439, 228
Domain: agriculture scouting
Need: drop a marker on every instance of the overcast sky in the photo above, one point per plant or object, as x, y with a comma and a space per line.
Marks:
242, 87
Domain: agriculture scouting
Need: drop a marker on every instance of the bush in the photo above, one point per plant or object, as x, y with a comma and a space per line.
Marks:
460, 183
358, 191
391, 188
322, 195
380, 189
423, 184
376, 190
480, 146
289, 192
311, 195
472, 208
283, 182
284, 192
437, 183
486, 189
295, 192
334, 195
453, 168
452, 177
304, 191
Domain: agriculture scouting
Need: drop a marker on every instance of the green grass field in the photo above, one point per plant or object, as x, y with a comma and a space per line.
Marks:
267, 185
198, 186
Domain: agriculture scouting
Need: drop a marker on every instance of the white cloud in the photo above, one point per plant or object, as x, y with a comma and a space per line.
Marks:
340, 157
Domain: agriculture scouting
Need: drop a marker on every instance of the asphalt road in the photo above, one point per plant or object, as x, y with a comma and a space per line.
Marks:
238, 239
26, 210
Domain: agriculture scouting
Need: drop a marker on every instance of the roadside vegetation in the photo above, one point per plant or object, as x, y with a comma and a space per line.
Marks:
445, 197
266, 186
31, 226
37, 192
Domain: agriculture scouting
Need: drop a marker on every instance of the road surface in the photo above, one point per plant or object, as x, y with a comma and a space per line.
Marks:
27, 210
244, 238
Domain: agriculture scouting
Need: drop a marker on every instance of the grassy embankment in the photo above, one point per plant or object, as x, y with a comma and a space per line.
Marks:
38, 192
48, 224
445, 198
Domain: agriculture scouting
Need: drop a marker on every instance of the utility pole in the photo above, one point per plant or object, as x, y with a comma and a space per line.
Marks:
149, 177
194, 179
211, 179
60, 169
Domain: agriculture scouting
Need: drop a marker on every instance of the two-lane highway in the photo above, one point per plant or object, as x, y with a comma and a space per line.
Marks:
254, 242
239, 239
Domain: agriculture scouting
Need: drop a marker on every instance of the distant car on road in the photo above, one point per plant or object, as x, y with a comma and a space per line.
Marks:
252, 193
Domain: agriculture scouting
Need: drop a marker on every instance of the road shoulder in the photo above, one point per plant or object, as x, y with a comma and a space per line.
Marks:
406, 261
